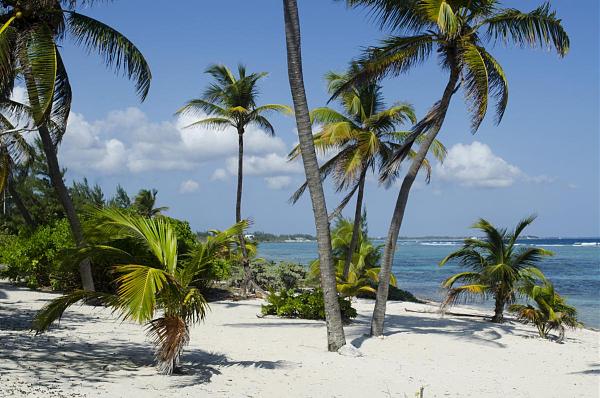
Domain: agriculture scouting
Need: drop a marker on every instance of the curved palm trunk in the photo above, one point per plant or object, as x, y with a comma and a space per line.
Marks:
333, 318
238, 213
85, 269
357, 223
383, 287
16, 197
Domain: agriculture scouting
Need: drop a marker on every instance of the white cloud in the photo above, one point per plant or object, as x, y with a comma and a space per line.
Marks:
278, 182
271, 164
126, 140
475, 165
188, 186
220, 175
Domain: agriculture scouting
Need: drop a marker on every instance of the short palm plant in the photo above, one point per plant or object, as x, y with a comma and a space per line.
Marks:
155, 287
550, 313
497, 267
363, 136
230, 102
145, 201
363, 272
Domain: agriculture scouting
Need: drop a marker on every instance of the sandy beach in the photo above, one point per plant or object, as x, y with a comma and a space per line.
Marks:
237, 354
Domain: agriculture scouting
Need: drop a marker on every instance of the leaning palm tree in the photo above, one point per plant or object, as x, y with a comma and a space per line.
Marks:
333, 318
230, 102
145, 201
455, 30
30, 38
156, 289
551, 312
364, 136
498, 268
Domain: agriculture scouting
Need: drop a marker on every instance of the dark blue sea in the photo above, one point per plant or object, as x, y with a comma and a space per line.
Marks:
574, 269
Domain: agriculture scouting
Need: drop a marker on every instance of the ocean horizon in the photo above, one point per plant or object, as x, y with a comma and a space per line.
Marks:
574, 268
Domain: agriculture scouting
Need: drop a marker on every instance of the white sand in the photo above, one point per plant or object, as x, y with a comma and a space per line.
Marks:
236, 354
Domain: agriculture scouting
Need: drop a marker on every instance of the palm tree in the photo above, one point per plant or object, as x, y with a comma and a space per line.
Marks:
364, 136
333, 317
497, 266
551, 312
145, 201
29, 48
457, 30
230, 102
159, 283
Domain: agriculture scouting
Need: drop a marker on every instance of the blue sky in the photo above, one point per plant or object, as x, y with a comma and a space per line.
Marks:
542, 159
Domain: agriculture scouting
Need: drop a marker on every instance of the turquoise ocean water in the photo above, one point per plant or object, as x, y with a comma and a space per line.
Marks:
574, 269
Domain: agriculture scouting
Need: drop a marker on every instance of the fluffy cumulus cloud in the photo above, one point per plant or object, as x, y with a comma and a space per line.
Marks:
278, 182
127, 141
189, 186
475, 165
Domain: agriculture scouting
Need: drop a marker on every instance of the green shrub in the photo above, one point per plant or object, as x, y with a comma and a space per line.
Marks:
393, 294
270, 275
306, 305
35, 258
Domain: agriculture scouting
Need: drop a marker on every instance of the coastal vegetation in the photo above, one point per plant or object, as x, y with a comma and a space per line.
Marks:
127, 254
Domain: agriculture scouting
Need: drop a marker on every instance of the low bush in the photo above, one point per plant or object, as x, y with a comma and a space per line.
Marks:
34, 259
271, 275
393, 294
306, 305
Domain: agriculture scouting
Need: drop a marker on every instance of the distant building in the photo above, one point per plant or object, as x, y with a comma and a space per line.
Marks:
249, 236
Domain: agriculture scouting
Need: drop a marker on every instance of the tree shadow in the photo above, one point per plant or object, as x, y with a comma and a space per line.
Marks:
594, 370
478, 331
54, 358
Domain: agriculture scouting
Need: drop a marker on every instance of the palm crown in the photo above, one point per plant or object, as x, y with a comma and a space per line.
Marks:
230, 101
498, 266
29, 39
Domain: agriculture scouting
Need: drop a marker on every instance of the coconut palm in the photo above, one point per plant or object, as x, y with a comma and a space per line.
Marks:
364, 136
157, 289
230, 102
333, 318
456, 31
551, 312
30, 38
144, 203
497, 266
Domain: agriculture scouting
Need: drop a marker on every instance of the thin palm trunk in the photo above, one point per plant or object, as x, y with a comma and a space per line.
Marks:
85, 268
16, 197
333, 318
377, 322
238, 213
357, 223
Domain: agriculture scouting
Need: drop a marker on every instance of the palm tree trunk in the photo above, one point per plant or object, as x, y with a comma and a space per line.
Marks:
85, 269
238, 213
498, 310
333, 318
16, 197
357, 223
383, 287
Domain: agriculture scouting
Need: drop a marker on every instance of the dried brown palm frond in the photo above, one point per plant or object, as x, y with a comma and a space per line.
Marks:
169, 335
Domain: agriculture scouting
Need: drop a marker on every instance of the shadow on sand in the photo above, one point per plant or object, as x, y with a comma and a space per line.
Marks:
51, 358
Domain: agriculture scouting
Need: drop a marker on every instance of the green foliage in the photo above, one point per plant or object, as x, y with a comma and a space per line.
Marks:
305, 305
156, 289
497, 266
271, 275
35, 259
394, 293
550, 313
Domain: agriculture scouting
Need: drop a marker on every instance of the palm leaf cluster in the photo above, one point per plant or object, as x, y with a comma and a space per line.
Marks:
550, 313
457, 32
157, 288
497, 267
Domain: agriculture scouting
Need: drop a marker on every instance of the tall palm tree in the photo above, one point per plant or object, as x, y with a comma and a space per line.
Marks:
230, 102
333, 318
30, 38
457, 30
159, 283
144, 203
364, 137
498, 266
